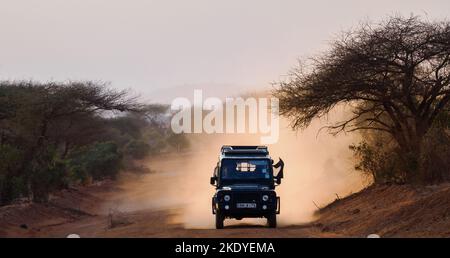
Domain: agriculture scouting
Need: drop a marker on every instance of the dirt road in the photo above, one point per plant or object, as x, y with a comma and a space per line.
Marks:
173, 200
158, 204
164, 203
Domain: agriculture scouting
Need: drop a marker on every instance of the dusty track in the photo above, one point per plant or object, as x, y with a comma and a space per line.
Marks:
92, 218
147, 206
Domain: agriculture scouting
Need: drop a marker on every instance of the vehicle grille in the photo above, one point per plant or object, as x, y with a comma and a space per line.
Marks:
246, 197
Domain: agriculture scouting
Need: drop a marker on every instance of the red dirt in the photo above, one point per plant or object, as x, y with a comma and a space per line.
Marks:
82, 211
390, 211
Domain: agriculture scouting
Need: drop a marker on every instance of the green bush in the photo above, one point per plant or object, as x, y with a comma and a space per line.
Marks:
12, 185
137, 149
46, 179
435, 157
380, 163
97, 161
379, 157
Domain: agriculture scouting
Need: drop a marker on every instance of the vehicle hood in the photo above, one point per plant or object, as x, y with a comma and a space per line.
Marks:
245, 187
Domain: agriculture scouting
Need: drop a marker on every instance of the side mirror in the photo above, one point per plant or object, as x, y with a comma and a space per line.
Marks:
212, 180
280, 174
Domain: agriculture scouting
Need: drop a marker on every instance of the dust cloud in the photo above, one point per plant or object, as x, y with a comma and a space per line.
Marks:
318, 167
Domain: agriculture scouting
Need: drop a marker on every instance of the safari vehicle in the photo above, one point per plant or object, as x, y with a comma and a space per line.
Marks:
245, 185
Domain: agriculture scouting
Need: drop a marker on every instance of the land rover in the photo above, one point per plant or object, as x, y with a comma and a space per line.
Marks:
245, 185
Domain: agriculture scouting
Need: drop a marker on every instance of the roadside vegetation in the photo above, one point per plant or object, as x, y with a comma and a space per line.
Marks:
56, 135
395, 79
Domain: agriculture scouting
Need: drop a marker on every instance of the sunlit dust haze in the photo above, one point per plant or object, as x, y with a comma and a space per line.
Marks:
318, 168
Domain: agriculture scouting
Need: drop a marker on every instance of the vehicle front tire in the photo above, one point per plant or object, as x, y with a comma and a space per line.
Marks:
219, 220
272, 220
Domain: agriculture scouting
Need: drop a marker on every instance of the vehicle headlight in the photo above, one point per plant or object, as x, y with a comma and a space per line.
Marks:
226, 197
265, 197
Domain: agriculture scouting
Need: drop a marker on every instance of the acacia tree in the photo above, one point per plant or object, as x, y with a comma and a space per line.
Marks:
38, 118
395, 76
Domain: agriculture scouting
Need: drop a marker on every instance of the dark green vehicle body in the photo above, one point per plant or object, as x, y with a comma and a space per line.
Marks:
245, 184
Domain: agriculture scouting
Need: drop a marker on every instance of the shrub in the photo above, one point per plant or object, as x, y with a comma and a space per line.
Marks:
381, 164
99, 161
12, 185
380, 157
137, 149
46, 179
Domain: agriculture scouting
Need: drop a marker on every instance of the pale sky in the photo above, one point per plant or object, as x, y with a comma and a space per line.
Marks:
153, 46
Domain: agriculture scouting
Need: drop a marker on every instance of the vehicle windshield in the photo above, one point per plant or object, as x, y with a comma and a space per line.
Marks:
245, 169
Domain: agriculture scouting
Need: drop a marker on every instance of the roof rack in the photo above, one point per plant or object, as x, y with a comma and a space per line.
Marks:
229, 150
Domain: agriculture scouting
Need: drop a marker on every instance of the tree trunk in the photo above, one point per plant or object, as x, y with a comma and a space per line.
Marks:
414, 167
